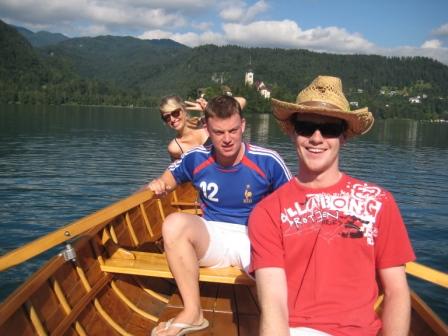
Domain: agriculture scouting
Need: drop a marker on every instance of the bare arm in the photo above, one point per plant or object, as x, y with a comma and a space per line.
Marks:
397, 303
163, 184
242, 101
198, 105
272, 295
201, 103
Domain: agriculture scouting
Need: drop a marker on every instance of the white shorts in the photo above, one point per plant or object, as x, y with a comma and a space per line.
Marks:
303, 331
229, 246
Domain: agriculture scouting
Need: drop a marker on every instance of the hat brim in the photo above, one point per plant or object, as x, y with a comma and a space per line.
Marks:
359, 121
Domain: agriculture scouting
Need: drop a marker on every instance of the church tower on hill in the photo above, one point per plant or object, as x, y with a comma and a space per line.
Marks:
249, 77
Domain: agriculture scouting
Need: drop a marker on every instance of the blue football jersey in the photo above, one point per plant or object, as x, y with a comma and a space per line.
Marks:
228, 194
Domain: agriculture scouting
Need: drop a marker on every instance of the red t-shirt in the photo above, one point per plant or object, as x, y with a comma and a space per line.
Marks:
330, 242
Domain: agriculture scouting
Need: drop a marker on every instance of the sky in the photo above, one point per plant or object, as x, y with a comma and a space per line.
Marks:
382, 27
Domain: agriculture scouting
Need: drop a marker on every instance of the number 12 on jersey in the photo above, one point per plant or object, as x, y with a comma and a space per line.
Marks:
209, 190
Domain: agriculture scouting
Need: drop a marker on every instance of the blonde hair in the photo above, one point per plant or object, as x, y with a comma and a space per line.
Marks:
171, 103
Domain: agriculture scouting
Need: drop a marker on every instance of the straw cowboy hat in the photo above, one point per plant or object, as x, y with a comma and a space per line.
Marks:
324, 96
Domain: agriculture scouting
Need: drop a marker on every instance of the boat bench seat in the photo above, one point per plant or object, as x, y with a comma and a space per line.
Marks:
155, 265
188, 207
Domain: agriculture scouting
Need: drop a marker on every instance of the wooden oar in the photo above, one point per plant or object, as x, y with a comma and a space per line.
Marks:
73, 230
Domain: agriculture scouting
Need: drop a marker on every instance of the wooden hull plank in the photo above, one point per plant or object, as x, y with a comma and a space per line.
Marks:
17, 324
94, 324
141, 299
81, 305
423, 320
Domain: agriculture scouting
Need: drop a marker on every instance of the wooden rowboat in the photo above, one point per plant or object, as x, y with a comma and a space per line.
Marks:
112, 279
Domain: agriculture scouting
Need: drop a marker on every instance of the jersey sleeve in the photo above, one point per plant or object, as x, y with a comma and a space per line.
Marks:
280, 173
392, 246
266, 237
182, 169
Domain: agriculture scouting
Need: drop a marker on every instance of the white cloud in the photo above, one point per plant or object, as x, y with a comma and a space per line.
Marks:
441, 31
432, 44
94, 30
439, 54
155, 35
232, 14
107, 14
134, 17
194, 40
237, 11
115, 15
202, 25
45, 12
258, 8
178, 5
268, 33
287, 34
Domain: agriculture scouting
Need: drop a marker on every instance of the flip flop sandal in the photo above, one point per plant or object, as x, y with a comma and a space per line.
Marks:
185, 328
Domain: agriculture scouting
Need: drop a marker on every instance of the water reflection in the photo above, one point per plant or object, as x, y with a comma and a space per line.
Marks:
257, 128
409, 133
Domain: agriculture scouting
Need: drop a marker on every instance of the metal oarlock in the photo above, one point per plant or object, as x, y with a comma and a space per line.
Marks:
69, 253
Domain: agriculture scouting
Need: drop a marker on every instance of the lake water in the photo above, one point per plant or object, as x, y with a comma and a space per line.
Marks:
58, 164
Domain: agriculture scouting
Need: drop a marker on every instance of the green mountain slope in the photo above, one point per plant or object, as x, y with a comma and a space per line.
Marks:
28, 78
41, 38
126, 61
20, 65
18, 60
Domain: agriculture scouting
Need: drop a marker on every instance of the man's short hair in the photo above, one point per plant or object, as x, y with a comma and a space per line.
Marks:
222, 107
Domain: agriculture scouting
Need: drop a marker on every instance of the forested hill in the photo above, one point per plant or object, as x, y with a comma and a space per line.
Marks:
126, 61
289, 70
41, 38
129, 71
19, 62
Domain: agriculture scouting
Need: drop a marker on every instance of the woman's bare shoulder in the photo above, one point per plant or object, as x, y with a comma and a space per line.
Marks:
201, 135
174, 150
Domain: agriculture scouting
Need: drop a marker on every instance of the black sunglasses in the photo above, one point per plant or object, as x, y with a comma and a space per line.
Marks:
167, 116
328, 130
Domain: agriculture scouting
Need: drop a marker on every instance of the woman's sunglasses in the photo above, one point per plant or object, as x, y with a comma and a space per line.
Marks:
328, 130
167, 116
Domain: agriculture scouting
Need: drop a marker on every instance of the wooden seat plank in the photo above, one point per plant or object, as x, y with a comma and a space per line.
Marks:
155, 265
186, 204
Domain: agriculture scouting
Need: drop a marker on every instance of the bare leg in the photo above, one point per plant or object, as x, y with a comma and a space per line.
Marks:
186, 240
